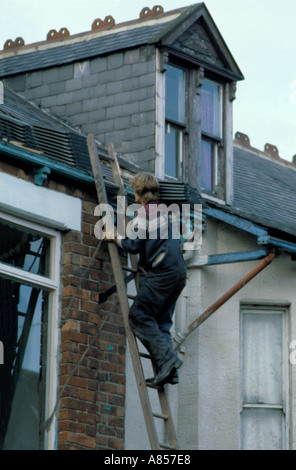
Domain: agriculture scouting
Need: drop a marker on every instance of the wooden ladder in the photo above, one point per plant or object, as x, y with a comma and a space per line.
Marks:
121, 288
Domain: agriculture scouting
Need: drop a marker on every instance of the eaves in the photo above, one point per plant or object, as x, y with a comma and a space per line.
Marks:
38, 162
262, 233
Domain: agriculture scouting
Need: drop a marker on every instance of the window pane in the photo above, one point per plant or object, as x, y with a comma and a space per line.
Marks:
211, 108
207, 165
262, 358
172, 151
175, 94
24, 249
262, 417
262, 429
23, 320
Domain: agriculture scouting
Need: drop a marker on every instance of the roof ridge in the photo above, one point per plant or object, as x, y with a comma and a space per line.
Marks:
270, 151
108, 25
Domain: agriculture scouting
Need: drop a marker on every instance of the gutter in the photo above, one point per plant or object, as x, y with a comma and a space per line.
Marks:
41, 161
43, 166
278, 243
263, 237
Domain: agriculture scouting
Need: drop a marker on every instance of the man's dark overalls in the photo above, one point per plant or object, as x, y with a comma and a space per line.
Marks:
152, 311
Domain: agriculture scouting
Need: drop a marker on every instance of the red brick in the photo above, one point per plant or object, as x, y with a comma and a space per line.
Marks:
101, 441
86, 228
74, 336
86, 418
115, 444
90, 240
106, 366
73, 404
68, 414
72, 236
90, 284
106, 430
72, 427
93, 401
67, 437
72, 247
87, 395
75, 381
86, 441
88, 206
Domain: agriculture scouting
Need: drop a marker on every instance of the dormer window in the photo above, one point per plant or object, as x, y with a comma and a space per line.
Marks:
208, 149
174, 121
211, 132
196, 78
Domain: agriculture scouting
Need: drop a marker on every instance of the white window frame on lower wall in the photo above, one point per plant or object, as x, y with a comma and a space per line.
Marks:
257, 308
51, 285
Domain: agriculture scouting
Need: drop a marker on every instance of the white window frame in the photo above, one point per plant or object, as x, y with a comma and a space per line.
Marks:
192, 134
269, 307
214, 139
179, 149
51, 284
180, 126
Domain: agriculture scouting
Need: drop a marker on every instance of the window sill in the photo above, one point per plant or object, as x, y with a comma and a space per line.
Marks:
213, 198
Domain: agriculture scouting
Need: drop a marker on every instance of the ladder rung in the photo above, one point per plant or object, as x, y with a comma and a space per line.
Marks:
167, 446
21, 314
106, 157
112, 184
160, 416
130, 270
132, 297
145, 355
156, 387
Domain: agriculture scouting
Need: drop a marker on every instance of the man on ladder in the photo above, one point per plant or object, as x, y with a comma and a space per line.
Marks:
162, 278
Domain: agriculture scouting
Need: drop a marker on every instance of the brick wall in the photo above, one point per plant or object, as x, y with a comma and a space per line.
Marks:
112, 97
92, 407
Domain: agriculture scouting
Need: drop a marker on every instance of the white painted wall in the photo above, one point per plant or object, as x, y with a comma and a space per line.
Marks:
39, 204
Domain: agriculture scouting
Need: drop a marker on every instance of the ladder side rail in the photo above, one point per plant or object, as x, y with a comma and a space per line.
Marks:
122, 192
162, 394
121, 291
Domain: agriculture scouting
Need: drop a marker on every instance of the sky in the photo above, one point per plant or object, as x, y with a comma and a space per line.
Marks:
260, 34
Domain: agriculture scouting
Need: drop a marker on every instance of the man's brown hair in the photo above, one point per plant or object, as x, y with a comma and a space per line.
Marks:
146, 185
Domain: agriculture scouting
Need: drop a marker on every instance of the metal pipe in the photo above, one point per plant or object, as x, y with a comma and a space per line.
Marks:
285, 245
237, 257
215, 306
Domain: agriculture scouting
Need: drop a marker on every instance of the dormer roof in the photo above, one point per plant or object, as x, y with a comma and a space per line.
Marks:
190, 31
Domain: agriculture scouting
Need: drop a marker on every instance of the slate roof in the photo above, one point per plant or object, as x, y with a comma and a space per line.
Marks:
83, 50
264, 191
77, 51
118, 37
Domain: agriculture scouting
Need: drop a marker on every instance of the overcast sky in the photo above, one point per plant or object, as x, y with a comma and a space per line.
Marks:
259, 33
